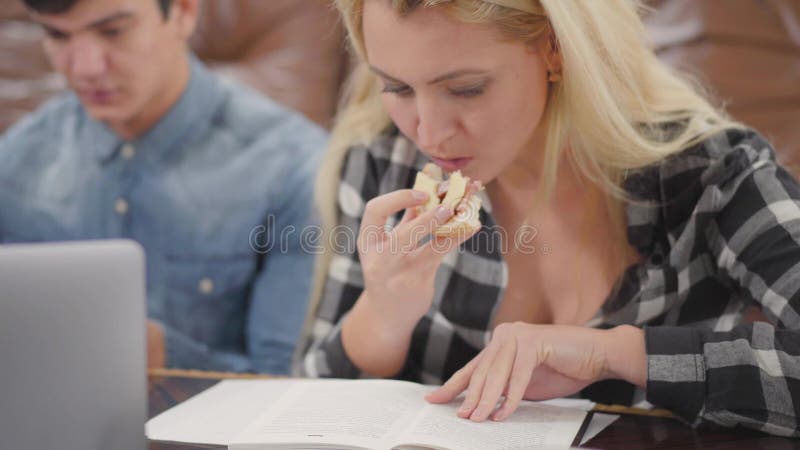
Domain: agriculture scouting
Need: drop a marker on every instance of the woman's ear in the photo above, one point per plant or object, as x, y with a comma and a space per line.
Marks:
551, 52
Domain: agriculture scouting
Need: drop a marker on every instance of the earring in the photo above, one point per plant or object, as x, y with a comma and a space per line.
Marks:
554, 76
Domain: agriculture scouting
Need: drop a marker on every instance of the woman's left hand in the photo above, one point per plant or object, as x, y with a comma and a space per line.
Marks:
537, 362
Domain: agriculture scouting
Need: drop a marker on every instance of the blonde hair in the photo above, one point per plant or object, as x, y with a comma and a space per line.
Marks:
610, 107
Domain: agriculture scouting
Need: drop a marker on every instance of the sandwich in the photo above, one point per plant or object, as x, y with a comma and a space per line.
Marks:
457, 193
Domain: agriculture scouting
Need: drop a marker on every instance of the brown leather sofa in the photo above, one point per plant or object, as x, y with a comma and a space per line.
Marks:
290, 50
747, 51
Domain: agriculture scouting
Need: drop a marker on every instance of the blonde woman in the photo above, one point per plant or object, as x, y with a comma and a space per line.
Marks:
651, 224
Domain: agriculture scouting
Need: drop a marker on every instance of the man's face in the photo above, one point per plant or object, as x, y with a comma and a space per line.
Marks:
122, 57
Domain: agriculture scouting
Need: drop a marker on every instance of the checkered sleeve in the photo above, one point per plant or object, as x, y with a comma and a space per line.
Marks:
750, 374
325, 355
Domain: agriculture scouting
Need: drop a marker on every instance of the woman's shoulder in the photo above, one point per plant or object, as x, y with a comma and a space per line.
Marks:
714, 160
700, 179
727, 152
386, 163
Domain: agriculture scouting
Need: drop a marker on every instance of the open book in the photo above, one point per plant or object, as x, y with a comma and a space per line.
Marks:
356, 414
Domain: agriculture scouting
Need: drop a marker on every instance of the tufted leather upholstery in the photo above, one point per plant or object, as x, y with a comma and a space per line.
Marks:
290, 50
748, 51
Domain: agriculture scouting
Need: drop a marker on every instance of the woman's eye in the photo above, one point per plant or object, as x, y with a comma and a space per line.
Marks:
468, 92
400, 91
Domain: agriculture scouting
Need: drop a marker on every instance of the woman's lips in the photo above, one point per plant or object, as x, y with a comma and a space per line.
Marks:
451, 165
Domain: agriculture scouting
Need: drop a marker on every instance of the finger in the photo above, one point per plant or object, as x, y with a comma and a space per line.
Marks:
423, 225
379, 209
518, 382
409, 215
456, 384
439, 247
478, 379
412, 213
496, 381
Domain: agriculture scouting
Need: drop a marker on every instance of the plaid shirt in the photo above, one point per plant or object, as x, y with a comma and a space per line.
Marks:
718, 229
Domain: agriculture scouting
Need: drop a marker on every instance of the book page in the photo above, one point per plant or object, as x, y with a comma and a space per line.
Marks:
531, 425
219, 413
355, 413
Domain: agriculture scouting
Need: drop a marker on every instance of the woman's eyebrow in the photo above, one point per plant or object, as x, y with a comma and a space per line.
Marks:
456, 74
384, 74
439, 79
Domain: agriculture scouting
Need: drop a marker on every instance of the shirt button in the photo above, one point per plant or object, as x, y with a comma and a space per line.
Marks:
128, 151
121, 206
205, 286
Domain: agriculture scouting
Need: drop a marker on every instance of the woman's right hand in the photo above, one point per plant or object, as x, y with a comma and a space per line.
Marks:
398, 272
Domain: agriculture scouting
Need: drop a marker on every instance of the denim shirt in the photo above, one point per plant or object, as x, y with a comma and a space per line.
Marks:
222, 168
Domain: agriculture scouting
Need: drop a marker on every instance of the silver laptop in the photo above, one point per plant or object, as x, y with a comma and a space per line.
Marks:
72, 346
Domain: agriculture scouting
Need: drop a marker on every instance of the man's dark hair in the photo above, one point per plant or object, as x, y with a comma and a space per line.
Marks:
61, 6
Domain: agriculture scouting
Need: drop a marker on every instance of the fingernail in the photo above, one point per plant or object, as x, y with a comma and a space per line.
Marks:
475, 414
443, 213
419, 195
463, 410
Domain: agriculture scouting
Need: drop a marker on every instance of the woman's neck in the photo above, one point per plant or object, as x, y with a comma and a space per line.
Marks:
519, 187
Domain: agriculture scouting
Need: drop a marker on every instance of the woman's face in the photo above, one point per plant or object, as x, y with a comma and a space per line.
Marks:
468, 98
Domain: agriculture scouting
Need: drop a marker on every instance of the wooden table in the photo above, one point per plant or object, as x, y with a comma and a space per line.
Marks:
168, 388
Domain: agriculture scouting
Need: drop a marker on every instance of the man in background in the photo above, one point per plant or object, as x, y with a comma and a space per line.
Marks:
151, 146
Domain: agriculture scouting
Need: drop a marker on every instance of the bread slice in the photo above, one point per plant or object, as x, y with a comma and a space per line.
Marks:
429, 186
465, 222
459, 195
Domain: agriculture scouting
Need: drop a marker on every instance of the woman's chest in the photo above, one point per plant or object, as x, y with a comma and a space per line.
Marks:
554, 288
563, 256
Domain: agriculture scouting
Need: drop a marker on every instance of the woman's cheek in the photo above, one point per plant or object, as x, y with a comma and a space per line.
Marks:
403, 115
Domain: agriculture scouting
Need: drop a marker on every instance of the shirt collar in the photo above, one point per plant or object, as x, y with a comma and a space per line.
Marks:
194, 108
